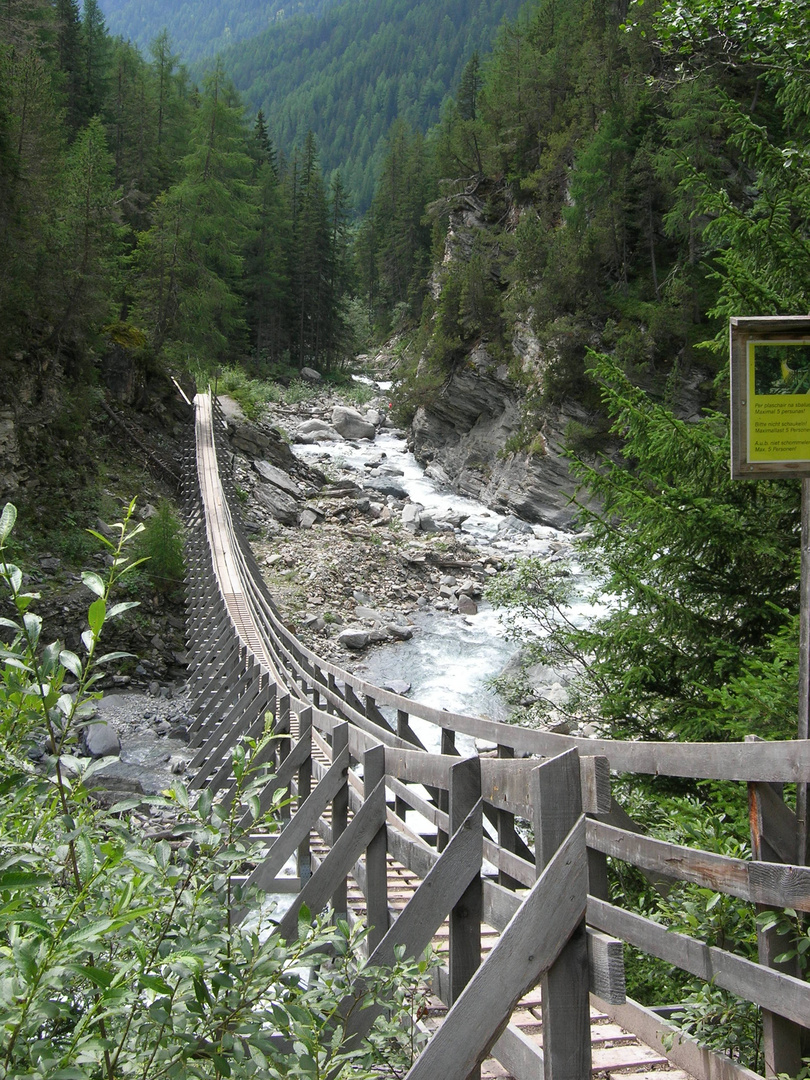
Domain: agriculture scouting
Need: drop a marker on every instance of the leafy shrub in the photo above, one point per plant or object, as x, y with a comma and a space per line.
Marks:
119, 952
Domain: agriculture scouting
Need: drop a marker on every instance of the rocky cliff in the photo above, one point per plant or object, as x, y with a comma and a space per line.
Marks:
461, 439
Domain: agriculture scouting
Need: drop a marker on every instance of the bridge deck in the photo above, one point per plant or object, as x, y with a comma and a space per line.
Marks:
247, 664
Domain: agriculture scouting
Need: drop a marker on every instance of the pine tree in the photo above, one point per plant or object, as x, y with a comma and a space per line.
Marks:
188, 266
95, 57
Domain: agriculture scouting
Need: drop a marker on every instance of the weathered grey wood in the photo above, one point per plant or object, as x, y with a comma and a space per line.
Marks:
340, 816
761, 883
255, 718
299, 754
419, 767
465, 917
519, 1055
338, 863
305, 788
519, 869
781, 1039
426, 910
507, 836
802, 853
606, 967
300, 825
414, 856
557, 796
682, 1051
528, 947
769, 989
376, 869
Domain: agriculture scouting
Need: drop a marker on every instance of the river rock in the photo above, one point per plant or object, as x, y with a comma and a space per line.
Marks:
466, 605
273, 475
261, 443
354, 637
314, 430
368, 614
386, 486
100, 739
411, 512
281, 506
351, 424
399, 631
309, 517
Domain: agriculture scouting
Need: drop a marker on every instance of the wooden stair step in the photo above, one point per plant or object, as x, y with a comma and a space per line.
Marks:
612, 1058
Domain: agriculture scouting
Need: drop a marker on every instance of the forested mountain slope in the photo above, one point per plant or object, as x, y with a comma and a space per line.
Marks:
201, 28
348, 75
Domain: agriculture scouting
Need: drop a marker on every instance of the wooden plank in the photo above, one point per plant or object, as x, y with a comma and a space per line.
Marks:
761, 883
606, 967
305, 788
682, 1051
557, 795
339, 861
519, 1055
769, 989
528, 946
419, 767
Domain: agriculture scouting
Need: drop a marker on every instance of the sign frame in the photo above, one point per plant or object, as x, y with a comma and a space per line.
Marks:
788, 416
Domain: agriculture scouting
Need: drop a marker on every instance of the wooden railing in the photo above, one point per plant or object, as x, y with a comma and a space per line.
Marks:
364, 781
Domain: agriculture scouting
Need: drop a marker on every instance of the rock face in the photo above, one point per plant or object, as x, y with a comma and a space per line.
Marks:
461, 437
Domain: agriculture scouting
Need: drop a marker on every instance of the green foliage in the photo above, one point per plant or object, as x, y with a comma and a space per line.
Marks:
160, 545
699, 576
119, 953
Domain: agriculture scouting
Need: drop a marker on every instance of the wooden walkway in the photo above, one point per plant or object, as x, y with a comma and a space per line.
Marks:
530, 982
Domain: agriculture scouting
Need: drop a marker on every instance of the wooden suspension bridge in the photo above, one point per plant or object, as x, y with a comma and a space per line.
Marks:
531, 978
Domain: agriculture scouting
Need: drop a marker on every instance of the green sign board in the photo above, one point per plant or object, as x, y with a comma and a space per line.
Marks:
770, 397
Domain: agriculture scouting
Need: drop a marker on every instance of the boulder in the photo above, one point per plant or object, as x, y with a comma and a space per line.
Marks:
282, 507
260, 442
399, 631
466, 605
351, 424
354, 637
411, 514
100, 739
273, 475
311, 375
309, 518
313, 431
386, 486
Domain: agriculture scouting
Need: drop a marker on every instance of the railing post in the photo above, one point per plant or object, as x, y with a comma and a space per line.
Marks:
376, 869
774, 839
465, 918
507, 837
304, 788
448, 746
557, 796
340, 813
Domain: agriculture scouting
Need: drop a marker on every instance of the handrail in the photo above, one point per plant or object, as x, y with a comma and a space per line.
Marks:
246, 663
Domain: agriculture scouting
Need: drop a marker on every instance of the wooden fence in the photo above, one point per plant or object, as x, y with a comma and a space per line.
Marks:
362, 779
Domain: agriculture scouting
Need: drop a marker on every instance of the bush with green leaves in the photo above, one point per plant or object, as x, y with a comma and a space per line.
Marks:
121, 951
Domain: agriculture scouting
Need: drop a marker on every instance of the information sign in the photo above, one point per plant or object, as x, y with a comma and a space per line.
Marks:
770, 397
